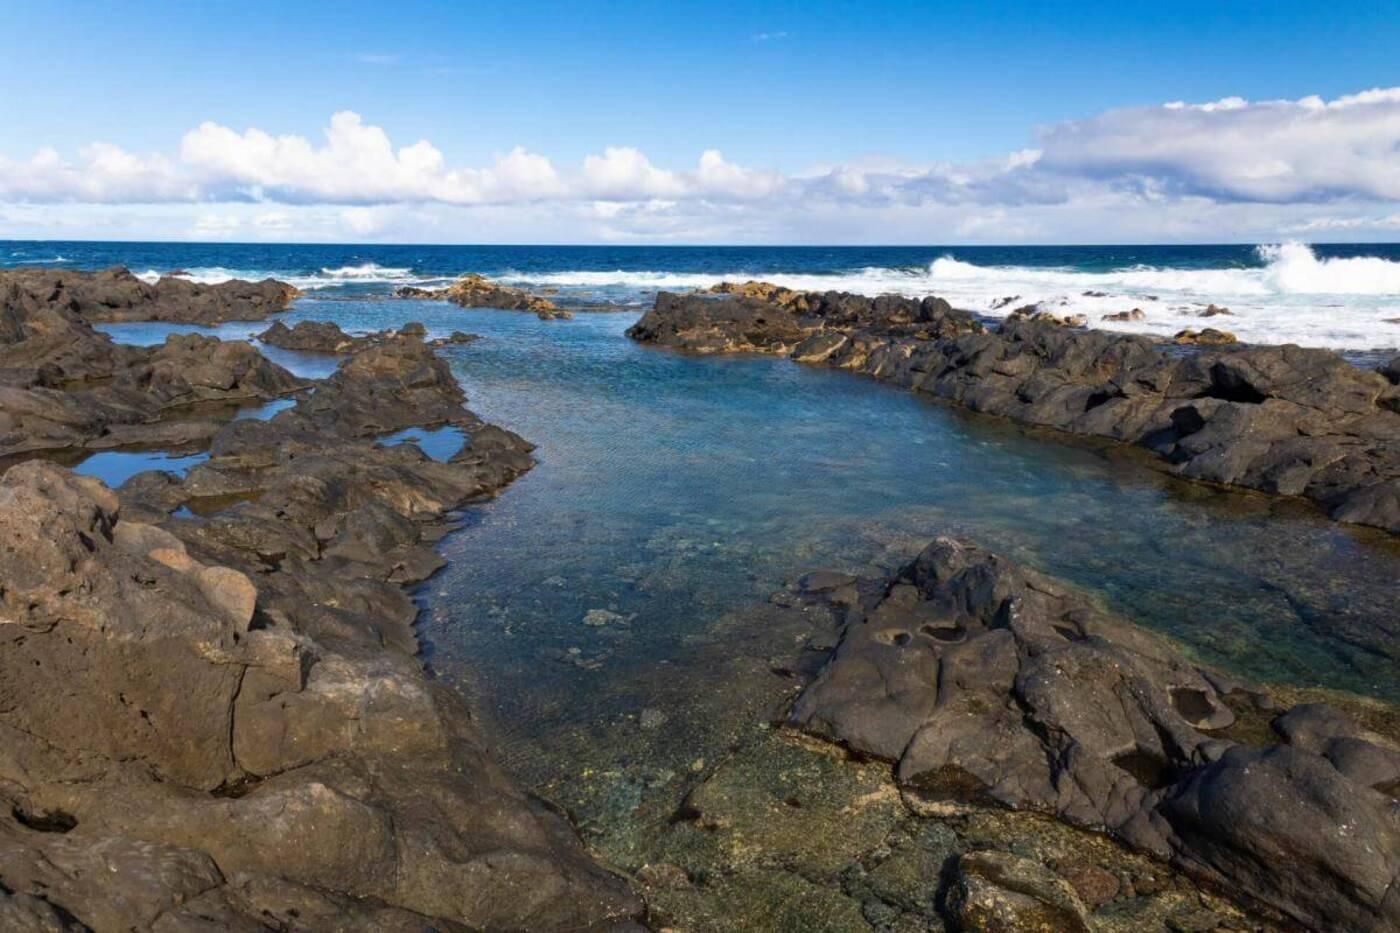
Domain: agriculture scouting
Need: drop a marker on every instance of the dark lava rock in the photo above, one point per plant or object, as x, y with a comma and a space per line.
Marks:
117, 295
1206, 337
311, 337
220, 722
1134, 315
812, 326
982, 679
1283, 420
65, 385
1034, 313
477, 291
326, 337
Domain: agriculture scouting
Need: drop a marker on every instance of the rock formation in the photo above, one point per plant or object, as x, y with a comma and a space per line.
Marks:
1285, 420
211, 712
64, 385
327, 337
116, 295
477, 291
980, 678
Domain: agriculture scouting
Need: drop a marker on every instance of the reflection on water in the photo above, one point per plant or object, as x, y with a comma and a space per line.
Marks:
264, 411
115, 467
438, 443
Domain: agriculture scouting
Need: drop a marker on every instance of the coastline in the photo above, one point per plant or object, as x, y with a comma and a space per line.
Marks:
391, 381
1281, 420
275, 747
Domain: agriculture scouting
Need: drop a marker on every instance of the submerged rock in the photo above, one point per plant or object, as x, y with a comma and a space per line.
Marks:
984, 680
997, 892
1283, 420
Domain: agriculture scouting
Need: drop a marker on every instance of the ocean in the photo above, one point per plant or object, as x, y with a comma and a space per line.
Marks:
1339, 296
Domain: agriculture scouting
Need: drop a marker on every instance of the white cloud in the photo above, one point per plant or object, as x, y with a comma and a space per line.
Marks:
1180, 170
1235, 150
623, 173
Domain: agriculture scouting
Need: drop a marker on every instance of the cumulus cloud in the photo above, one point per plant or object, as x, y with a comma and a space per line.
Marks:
1232, 149
1301, 165
102, 174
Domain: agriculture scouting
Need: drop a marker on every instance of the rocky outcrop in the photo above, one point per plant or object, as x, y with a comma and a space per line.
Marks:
214, 717
327, 337
812, 327
63, 385
983, 679
477, 291
312, 337
1284, 420
116, 295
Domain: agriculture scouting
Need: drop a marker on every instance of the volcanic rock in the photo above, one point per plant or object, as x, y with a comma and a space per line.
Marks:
244, 738
1134, 315
477, 291
983, 679
116, 295
1207, 337
1283, 420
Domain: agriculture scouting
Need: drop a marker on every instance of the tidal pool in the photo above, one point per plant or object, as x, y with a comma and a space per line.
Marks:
672, 490
115, 467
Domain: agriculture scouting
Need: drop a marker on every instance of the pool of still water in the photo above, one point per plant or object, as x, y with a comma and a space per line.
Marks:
672, 489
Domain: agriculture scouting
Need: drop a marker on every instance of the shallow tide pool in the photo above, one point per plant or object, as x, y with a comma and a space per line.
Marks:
671, 490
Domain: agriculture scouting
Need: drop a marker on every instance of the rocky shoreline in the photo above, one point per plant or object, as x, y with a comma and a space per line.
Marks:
213, 715
1283, 420
981, 679
115, 295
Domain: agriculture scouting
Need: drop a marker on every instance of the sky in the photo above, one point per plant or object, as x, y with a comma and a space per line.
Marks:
761, 122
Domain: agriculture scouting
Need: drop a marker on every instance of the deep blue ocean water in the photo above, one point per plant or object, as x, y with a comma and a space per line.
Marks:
1341, 296
437, 261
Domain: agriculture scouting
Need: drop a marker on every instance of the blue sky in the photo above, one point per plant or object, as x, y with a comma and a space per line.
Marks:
785, 90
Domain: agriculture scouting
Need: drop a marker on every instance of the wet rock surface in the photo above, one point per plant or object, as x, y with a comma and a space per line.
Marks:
113, 295
216, 719
477, 291
981, 679
1283, 420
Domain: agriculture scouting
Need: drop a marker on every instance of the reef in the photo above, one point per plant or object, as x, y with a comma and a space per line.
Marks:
1279, 419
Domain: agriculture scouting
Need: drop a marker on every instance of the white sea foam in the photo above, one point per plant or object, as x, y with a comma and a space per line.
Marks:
23, 261
1293, 297
364, 274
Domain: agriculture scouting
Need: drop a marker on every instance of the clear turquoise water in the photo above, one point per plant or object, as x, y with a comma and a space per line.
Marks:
672, 489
